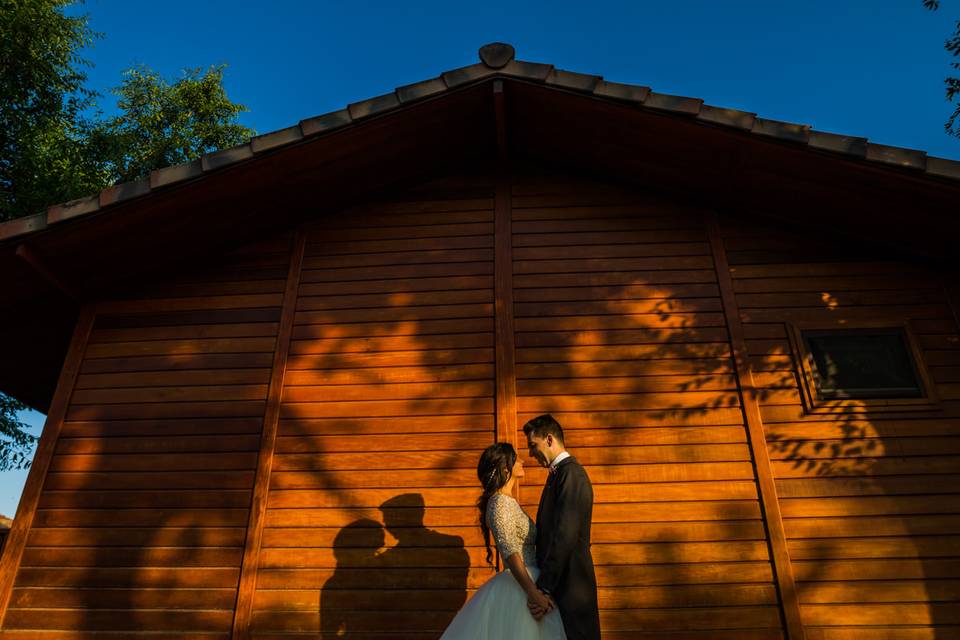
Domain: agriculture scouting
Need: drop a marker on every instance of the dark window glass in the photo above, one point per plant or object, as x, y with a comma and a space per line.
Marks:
867, 363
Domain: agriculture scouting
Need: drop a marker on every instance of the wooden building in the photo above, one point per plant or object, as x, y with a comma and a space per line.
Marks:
268, 373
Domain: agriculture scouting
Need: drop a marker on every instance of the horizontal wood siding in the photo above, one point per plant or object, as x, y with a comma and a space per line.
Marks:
620, 334
142, 517
869, 490
388, 399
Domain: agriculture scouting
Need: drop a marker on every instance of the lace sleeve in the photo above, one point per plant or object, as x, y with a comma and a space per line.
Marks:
502, 523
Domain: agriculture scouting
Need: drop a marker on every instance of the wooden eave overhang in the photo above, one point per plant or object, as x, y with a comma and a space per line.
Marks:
722, 158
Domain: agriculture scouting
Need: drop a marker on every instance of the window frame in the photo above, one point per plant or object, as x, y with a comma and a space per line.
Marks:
804, 366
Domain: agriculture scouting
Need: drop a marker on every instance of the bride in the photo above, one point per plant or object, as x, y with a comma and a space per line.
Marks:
498, 610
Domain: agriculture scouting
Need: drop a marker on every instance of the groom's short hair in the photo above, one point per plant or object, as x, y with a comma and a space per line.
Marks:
543, 425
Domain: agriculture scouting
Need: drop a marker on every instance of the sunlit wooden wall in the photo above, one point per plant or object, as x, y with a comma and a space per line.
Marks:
359, 354
870, 489
387, 403
142, 518
621, 335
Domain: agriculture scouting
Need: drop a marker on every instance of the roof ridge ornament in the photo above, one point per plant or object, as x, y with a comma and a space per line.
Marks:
497, 55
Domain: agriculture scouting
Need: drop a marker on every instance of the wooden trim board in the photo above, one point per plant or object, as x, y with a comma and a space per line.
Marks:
17, 538
769, 502
505, 367
268, 439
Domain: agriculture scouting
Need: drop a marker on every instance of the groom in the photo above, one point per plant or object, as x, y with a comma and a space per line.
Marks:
563, 532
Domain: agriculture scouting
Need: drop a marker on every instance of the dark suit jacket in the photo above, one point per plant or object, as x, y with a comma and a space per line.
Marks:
563, 549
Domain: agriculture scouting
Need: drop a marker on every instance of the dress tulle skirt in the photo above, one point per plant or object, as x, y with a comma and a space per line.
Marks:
498, 611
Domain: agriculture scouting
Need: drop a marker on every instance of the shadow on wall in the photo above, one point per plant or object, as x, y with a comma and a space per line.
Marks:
862, 484
366, 572
142, 520
613, 342
628, 349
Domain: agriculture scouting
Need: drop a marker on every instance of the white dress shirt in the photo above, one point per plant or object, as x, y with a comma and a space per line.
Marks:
560, 457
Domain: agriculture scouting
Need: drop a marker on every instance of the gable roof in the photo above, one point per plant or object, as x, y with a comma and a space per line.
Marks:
497, 60
730, 159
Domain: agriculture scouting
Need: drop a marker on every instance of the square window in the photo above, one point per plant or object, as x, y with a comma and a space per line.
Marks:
864, 363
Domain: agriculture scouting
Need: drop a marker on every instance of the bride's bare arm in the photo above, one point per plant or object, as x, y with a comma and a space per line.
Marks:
519, 571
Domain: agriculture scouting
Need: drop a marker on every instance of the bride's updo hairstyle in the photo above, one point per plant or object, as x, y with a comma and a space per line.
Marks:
494, 471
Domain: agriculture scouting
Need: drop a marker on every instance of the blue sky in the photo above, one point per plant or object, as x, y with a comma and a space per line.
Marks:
11, 482
870, 68
867, 68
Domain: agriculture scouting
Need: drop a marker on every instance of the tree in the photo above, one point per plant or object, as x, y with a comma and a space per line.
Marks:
42, 98
161, 124
52, 151
16, 444
952, 83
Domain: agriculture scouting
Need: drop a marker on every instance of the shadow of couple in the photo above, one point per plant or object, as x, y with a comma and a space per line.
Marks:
417, 585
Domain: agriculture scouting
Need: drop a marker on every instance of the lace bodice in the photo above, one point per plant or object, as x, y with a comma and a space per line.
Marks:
512, 529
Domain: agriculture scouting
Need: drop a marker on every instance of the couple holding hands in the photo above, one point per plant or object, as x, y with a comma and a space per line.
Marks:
548, 590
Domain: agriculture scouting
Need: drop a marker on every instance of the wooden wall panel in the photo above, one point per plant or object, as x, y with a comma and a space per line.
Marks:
869, 489
142, 517
621, 336
371, 528
388, 397
52, 428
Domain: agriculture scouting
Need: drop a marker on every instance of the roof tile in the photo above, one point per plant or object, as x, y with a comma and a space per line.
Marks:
572, 80
463, 75
943, 167
325, 122
410, 92
176, 173
619, 91
781, 130
678, 104
849, 145
373, 106
276, 139
528, 70
59, 212
20, 226
727, 117
225, 157
898, 156
124, 191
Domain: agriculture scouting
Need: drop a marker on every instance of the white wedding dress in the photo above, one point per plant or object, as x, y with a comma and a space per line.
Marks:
498, 610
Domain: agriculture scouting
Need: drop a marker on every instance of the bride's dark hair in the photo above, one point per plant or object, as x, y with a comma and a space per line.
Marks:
494, 471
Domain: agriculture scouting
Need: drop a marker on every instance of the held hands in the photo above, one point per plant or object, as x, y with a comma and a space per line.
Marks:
540, 604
